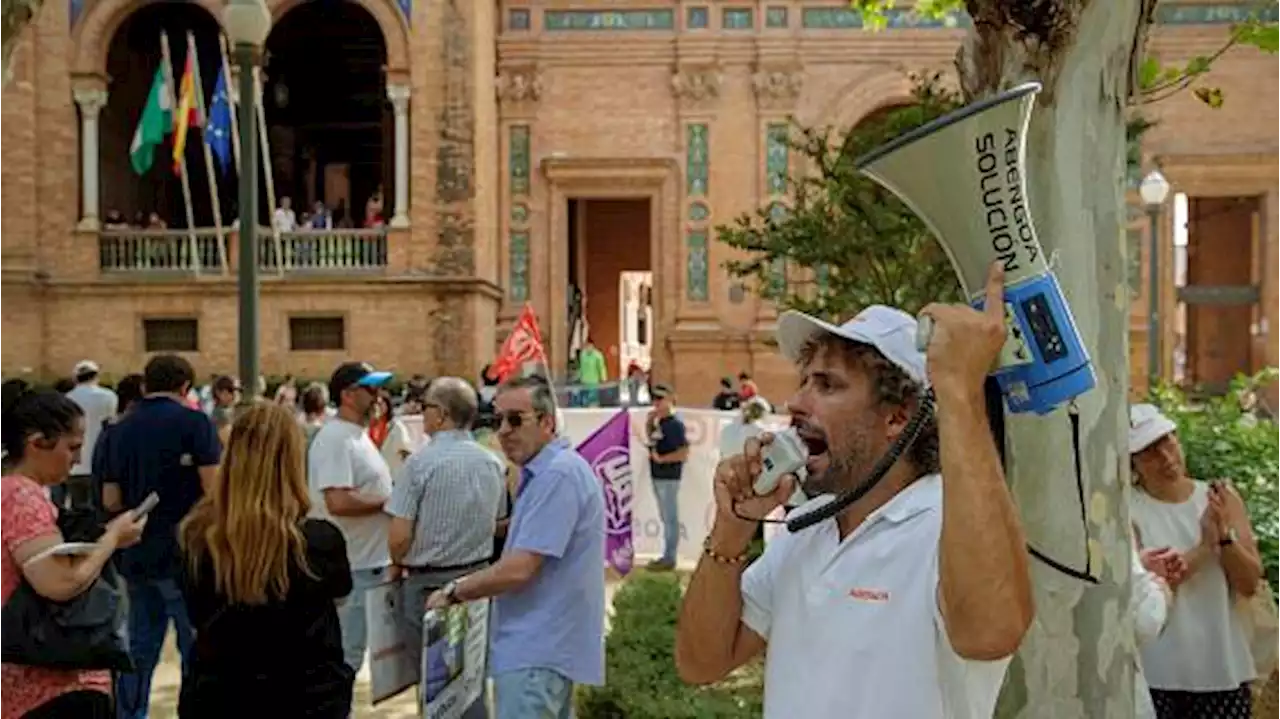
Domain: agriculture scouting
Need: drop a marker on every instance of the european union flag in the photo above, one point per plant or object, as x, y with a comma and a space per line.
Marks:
218, 132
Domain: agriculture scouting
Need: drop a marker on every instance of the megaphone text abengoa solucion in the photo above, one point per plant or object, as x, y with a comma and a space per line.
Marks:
964, 175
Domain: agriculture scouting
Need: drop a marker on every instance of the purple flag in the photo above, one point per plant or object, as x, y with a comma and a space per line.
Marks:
608, 451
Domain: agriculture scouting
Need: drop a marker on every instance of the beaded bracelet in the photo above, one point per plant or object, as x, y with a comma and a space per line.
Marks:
720, 558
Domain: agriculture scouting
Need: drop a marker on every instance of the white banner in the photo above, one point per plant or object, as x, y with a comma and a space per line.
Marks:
704, 428
455, 647
391, 665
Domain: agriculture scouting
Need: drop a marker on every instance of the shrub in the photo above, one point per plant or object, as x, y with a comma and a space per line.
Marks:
1222, 438
640, 670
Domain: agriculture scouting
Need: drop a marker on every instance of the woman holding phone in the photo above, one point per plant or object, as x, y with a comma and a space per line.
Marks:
260, 581
42, 433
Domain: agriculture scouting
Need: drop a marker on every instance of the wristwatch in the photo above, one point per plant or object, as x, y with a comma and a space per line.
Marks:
451, 591
1228, 537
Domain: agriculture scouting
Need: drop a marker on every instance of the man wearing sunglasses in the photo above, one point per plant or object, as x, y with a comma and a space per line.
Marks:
350, 483
548, 626
909, 602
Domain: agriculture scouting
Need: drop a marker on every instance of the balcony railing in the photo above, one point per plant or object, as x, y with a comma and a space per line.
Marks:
164, 252
160, 251
324, 251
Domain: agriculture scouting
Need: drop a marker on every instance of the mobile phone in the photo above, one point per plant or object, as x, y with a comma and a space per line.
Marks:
147, 505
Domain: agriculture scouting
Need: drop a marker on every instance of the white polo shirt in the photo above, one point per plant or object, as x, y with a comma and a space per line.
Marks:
853, 627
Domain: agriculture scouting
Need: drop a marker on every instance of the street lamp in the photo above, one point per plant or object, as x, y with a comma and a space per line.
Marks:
247, 23
1154, 191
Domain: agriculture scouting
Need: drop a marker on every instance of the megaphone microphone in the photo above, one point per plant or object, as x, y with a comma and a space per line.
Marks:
964, 175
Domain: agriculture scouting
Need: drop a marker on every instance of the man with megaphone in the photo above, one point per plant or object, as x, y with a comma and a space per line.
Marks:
909, 601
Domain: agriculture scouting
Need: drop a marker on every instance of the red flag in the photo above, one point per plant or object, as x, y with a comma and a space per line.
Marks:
522, 345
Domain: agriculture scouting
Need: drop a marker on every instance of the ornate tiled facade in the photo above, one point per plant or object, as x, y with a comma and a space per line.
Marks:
503, 112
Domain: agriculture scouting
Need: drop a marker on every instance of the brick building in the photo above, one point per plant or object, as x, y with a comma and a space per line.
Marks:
532, 150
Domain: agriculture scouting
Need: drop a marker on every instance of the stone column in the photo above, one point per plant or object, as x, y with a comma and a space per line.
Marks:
399, 96
91, 103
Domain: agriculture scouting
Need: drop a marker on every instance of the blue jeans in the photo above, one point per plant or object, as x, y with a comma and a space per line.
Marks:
152, 603
667, 492
532, 694
352, 617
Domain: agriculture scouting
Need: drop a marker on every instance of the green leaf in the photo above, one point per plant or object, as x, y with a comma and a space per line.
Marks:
1199, 65
1149, 73
1256, 34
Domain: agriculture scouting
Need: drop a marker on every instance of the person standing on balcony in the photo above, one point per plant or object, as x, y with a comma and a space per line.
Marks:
284, 219
99, 405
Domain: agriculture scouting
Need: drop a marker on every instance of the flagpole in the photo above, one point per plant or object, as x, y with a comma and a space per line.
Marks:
232, 99
208, 155
182, 163
268, 175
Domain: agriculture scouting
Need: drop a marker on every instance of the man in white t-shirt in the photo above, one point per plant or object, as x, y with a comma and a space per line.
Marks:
284, 219
99, 405
350, 483
909, 602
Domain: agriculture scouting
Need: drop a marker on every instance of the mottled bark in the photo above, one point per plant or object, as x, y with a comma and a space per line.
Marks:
17, 15
1077, 660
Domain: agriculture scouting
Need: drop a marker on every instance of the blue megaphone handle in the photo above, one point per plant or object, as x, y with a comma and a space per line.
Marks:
1050, 365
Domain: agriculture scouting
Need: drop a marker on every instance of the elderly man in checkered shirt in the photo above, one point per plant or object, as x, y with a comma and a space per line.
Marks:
447, 500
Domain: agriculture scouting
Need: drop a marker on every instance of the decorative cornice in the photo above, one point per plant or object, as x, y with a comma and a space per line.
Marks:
696, 86
519, 85
777, 87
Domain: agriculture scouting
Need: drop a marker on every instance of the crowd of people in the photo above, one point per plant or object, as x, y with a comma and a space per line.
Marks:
276, 516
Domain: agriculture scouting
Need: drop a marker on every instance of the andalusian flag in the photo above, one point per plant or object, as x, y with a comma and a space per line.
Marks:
155, 123
188, 113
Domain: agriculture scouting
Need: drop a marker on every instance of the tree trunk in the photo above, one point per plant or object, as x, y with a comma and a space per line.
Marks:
1077, 659
17, 15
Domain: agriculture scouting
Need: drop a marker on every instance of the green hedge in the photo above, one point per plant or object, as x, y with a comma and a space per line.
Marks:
640, 671
1223, 438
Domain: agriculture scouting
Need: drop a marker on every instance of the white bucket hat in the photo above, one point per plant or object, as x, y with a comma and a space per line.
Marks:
889, 330
1147, 425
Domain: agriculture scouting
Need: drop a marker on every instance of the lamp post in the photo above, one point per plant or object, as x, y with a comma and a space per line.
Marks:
1154, 191
247, 23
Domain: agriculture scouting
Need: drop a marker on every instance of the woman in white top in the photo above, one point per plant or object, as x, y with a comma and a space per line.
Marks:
1196, 536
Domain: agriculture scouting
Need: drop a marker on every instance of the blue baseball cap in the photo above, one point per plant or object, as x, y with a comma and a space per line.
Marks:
355, 374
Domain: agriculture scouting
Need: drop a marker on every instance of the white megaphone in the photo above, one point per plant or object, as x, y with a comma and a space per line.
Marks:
964, 175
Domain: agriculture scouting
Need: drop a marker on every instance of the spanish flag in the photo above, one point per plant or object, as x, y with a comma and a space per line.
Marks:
188, 114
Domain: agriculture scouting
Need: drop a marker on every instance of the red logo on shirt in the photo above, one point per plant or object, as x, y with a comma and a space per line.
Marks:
863, 594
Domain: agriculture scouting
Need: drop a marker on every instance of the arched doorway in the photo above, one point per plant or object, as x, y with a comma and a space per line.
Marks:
133, 57
330, 128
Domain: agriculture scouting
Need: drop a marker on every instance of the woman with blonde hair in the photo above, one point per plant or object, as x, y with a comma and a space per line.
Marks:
260, 581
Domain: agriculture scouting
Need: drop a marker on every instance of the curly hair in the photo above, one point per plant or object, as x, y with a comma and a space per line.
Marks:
893, 388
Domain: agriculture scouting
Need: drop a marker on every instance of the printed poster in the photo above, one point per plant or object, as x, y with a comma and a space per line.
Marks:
455, 649
391, 666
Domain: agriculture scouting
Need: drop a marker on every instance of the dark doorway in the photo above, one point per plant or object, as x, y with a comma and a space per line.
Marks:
1222, 290
326, 105
608, 238
134, 55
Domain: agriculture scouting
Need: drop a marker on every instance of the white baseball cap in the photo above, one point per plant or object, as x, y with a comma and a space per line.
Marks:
889, 330
84, 367
1147, 425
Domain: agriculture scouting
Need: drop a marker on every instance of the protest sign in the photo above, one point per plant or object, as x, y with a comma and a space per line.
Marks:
608, 451
391, 664
455, 648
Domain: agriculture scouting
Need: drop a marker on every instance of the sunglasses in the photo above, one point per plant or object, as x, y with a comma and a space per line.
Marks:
514, 420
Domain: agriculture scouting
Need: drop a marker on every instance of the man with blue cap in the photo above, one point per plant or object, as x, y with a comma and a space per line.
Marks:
350, 482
